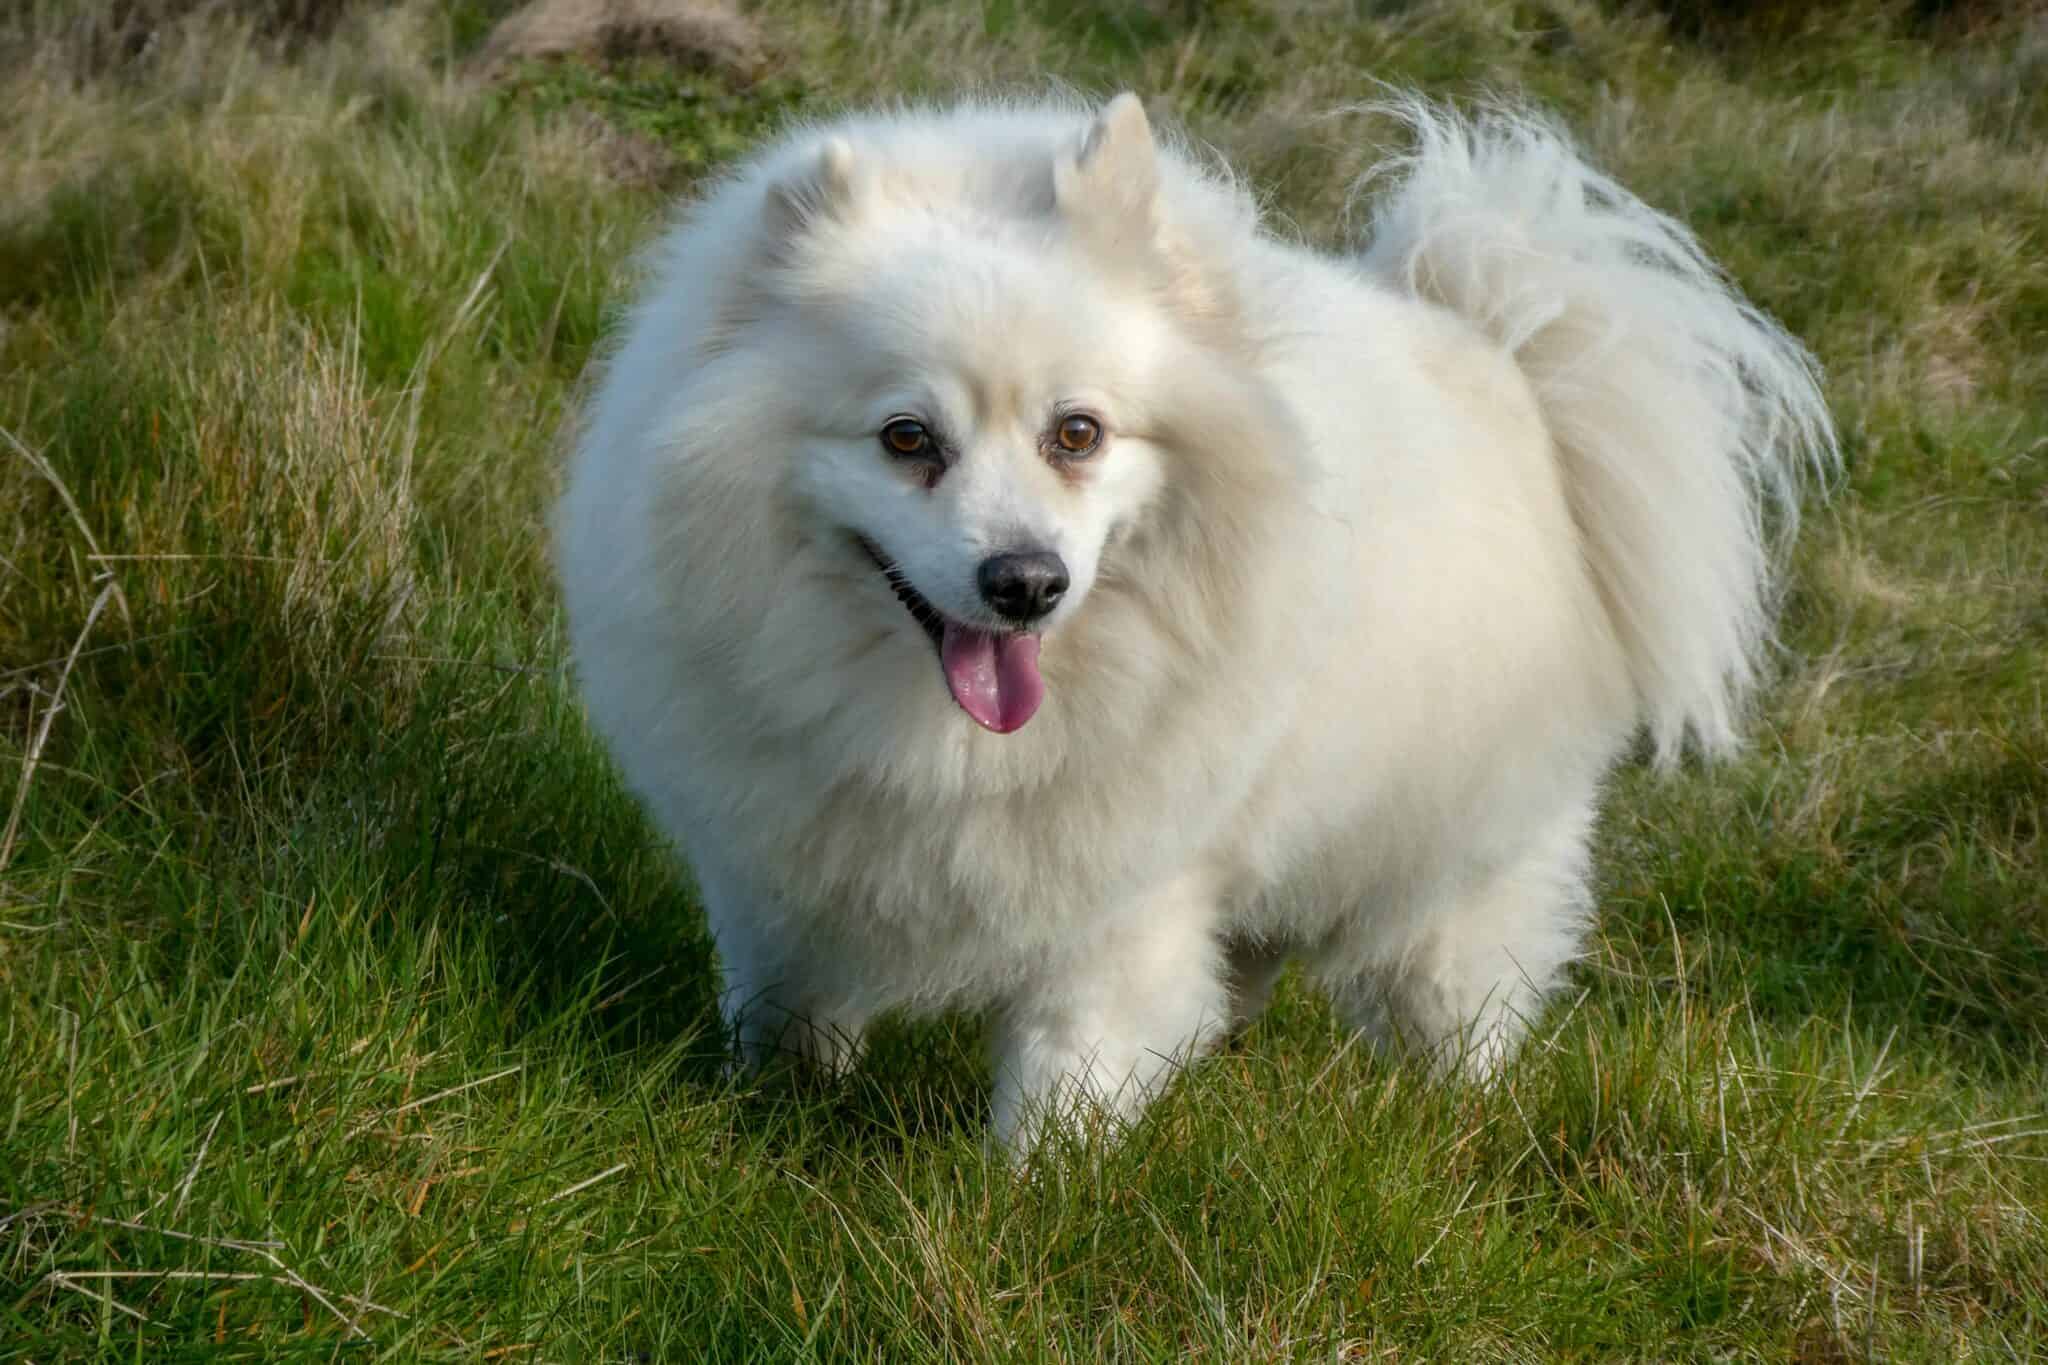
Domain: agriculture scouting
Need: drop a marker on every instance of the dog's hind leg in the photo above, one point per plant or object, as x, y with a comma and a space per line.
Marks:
1100, 1028
1459, 977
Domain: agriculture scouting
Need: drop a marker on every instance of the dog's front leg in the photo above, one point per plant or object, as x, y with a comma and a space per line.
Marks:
778, 1001
1104, 1024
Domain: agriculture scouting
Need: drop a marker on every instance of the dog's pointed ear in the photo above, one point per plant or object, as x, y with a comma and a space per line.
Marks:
1111, 180
826, 188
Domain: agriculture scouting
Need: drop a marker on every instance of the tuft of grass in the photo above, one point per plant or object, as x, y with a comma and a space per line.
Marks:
347, 1003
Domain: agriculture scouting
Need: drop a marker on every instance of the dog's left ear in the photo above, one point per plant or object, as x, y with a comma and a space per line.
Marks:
1109, 184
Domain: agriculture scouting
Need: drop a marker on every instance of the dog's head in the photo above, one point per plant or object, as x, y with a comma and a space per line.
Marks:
982, 345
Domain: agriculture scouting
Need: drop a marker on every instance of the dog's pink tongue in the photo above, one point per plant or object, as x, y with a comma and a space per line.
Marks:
993, 677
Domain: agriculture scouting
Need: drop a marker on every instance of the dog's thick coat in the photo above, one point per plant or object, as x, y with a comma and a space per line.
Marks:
1380, 563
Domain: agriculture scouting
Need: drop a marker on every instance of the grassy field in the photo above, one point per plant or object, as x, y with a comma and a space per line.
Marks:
348, 1008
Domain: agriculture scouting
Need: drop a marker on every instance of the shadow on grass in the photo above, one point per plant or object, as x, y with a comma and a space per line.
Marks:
527, 836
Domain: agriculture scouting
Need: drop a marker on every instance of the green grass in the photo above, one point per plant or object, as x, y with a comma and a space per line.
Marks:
337, 970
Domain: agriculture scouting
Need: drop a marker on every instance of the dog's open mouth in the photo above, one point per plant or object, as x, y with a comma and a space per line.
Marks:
993, 675
924, 613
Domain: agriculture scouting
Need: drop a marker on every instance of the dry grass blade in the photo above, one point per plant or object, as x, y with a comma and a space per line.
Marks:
420, 1103
225, 1243
583, 1185
49, 475
55, 704
185, 1189
265, 1251
59, 1279
263, 1087
288, 1279
22, 1215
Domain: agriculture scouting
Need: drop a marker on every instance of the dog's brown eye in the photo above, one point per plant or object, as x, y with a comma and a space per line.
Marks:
906, 436
1078, 434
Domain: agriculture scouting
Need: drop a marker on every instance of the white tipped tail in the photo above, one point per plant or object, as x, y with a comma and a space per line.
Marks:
1684, 419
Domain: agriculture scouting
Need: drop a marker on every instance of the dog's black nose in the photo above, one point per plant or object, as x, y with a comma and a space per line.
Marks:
1023, 587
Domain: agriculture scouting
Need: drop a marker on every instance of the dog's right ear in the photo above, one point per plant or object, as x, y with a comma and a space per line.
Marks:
1108, 185
826, 188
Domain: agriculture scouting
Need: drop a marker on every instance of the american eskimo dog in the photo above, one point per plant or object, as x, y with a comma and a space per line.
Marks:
1017, 578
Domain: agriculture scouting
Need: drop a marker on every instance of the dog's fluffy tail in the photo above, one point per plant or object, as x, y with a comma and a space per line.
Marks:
1685, 419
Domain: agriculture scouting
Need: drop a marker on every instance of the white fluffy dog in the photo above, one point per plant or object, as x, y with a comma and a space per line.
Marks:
1018, 579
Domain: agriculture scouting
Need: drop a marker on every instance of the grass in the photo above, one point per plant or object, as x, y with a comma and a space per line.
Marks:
348, 1008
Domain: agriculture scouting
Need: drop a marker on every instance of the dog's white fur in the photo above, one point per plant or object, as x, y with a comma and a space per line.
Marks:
1384, 562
